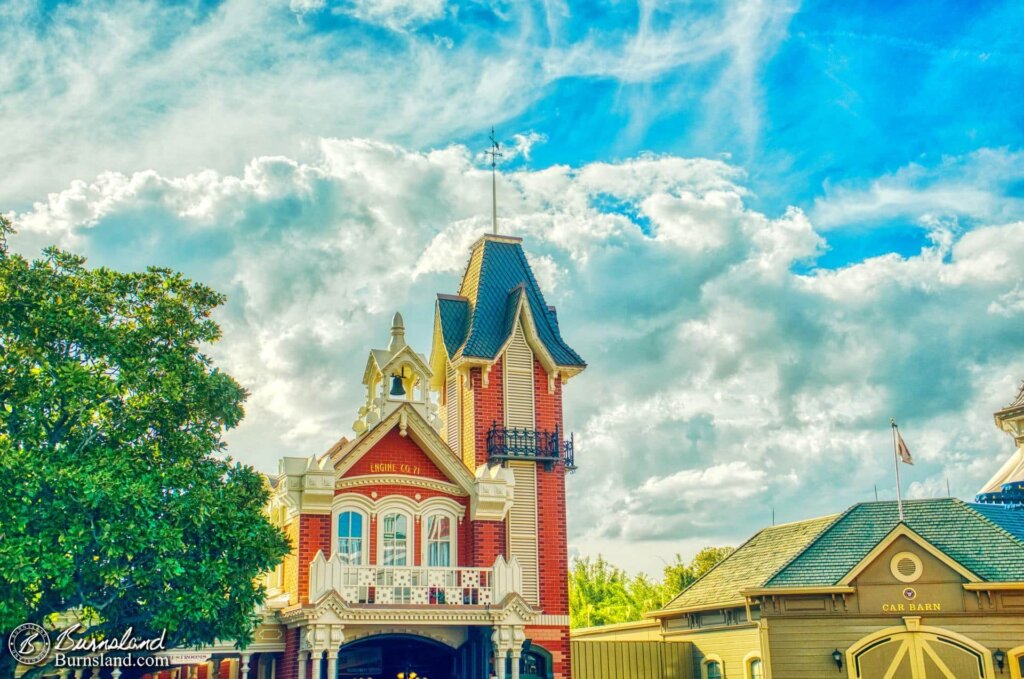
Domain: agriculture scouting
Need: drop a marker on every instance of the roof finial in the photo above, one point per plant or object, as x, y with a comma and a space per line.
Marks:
494, 153
397, 333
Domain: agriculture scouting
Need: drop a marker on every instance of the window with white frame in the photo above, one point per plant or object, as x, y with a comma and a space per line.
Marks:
440, 552
350, 537
755, 669
395, 539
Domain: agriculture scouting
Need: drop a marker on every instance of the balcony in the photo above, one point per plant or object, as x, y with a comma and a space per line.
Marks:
511, 443
414, 585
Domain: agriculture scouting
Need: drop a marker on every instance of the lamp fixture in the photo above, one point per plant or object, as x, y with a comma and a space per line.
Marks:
1000, 657
837, 658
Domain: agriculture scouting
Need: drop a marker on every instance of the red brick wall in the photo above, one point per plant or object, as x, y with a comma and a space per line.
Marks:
201, 671
397, 454
314, 536
288, 665
488, 407
555, 640
553, 548
224, 672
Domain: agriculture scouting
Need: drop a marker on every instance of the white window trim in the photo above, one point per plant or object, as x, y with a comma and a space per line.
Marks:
410, 549
351, 502
424, 548
708, 659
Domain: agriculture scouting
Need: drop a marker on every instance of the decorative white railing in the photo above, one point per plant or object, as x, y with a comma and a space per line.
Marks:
414, 585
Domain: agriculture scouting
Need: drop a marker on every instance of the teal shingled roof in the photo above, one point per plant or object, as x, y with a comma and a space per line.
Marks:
454, 314
952, 526
505, 276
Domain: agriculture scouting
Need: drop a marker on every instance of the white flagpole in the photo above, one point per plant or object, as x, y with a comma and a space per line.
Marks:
896, 460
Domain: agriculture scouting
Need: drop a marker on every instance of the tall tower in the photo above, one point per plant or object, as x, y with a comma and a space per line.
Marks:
499, 362
1007, 486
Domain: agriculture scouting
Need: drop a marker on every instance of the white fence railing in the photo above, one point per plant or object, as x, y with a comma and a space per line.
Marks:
414, 585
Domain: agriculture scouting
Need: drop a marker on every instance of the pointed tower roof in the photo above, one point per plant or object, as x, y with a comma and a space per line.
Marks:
497, 290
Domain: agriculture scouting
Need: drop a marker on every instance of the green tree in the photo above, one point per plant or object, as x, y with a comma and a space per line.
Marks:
679, 575
119, 506
601, 594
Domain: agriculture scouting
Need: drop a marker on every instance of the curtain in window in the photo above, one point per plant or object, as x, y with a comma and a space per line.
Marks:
714, 670
396, 540
350, 537
439, 541
755, 670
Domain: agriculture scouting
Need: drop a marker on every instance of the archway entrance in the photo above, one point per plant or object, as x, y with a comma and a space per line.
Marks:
926, 653
388, 655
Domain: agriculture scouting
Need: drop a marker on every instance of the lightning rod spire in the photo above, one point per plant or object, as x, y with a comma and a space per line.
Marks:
494, 152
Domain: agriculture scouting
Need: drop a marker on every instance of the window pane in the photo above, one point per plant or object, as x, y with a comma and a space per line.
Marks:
395, 539
714, 670
755, 670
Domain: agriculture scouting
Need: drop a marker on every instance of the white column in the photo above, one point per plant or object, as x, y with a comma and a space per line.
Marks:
499, 662
115, 673
245, 665
317, 657
332, 664
96, 673
303, 657
79, 674
515, 662
273, 667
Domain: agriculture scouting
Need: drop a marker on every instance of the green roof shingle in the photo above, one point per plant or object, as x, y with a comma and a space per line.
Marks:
750, 565
965, 535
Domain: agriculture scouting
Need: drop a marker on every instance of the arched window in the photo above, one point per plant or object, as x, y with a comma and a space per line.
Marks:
350, 537
755, 670
439, 541
712, 669
395, 539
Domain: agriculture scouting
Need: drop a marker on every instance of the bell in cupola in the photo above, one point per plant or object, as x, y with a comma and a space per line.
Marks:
397, 389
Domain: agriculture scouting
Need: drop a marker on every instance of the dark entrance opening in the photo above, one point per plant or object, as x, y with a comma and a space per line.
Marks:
389, 655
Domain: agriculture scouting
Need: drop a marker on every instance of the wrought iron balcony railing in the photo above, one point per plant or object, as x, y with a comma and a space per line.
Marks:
513, 443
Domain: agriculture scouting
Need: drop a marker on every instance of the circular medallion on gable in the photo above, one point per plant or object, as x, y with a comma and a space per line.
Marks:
906, 567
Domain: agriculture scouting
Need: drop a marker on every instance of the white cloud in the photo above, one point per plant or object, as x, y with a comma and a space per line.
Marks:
722, 386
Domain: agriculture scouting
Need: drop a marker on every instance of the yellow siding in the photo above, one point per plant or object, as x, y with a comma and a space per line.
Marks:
631, 660
731, 645
468, 433
291, 562
522, 527
517, 376
801, 647
451, 407
471, 281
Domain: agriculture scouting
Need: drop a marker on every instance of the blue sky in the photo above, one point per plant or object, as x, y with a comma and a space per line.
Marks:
768, 226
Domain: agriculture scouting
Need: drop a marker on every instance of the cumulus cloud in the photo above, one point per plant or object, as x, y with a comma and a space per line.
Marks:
723, 386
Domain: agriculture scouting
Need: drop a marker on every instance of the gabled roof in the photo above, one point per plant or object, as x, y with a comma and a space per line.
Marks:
950, 525
498, 281
749, 566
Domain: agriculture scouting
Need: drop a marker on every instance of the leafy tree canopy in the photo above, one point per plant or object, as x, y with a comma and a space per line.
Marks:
119, 506
602, 594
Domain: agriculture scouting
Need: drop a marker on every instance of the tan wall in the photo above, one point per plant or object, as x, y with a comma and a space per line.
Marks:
801, 648
631, 660
731, 645
644, 630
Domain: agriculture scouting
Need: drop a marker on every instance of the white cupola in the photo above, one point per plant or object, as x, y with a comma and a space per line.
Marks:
394, 376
